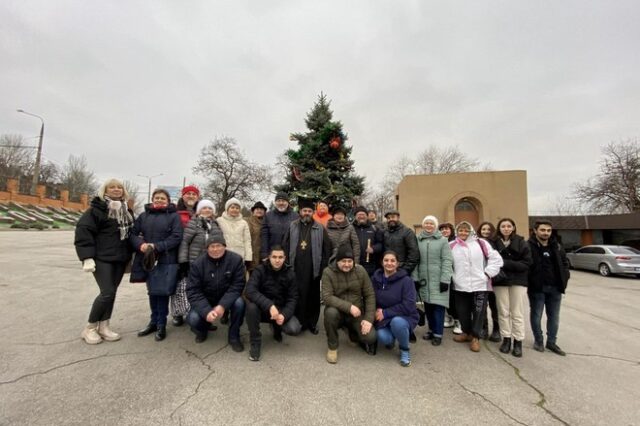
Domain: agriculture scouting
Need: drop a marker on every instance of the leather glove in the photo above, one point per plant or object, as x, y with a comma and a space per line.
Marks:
444, 287
89, 265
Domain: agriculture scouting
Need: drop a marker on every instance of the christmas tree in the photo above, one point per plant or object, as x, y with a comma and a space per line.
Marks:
321, 167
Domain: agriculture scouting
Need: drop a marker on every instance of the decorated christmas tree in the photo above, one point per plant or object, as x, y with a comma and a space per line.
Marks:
321, 167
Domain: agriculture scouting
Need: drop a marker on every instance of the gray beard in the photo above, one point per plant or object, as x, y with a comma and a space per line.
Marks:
305, 220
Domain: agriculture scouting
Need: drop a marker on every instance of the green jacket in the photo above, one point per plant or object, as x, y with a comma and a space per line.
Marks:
343, 289
435, 267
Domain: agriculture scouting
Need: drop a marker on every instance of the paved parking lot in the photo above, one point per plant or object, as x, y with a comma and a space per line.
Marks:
49, 376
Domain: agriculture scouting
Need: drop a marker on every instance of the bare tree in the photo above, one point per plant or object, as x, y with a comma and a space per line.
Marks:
229, 173
134, 194
77, 178
16, 159
616, 188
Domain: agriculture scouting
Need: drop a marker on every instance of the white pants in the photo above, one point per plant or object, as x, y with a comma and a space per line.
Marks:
510, 301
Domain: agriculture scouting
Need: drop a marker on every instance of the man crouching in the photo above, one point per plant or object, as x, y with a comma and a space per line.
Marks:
216, 281
272, 295
350, 302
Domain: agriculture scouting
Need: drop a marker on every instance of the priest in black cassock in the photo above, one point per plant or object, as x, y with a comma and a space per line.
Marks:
308, 250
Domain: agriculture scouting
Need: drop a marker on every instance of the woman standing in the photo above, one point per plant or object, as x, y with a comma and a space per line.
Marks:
488, 232
451, 317
102, 244
193, 245
474, 263
236, 230
342, 233
511, 291
434, 276
396, 314
156, 235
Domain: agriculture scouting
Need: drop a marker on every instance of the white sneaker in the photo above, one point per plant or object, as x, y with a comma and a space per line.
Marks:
90, 334
106, 333
457, 328
448, 321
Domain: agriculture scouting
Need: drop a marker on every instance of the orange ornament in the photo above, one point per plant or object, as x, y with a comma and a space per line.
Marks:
335, 142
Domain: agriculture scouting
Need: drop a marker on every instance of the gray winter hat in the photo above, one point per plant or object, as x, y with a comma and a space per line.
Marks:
216, 238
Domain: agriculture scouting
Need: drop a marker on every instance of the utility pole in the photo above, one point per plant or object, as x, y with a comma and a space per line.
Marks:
36, 169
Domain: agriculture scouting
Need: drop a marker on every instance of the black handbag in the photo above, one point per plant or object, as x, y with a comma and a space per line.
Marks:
163, 279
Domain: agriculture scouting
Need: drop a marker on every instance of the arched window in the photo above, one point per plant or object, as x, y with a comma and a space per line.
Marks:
465, 205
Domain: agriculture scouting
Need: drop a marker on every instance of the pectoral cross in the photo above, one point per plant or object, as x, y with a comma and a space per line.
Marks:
303, 245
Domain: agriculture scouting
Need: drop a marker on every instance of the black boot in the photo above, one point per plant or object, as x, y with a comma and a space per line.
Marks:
277, 334
505, 347
495, 334
369, 348
177, 320
150, 328
412, 337
517, 348
161, 333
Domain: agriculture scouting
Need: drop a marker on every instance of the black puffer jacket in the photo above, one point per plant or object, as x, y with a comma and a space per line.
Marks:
267, 287
369, 233
194, 238
98, 237
215, 282
517, 260
274, 226
404, 242
558, 260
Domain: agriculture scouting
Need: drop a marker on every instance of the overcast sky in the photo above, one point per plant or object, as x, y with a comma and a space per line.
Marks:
140, 87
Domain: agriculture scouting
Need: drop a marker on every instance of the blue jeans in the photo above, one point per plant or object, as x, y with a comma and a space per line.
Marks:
551, 303
399, 329
159, 310
200, 325
435, 318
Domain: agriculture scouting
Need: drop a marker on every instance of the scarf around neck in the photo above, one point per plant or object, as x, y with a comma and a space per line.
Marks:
118, 210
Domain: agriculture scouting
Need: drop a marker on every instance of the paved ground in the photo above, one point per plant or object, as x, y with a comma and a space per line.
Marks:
49, 376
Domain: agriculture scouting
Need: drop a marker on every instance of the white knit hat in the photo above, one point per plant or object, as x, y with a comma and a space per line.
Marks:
230, 202
205, 203
430, 218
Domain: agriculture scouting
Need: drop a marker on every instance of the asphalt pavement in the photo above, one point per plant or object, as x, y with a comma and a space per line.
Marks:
48, 375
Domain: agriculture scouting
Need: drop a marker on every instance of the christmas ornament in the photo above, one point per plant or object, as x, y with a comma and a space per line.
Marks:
335, 142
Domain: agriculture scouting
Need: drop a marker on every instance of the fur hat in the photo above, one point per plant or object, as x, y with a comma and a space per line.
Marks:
216, 238
230, 202
191, 188
258, 205
305, 203
344, 252
205, 203
360, 209
281, 195
431, 218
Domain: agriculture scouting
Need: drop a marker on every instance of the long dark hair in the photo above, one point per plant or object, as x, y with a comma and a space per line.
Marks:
491, 228
452, 235
505, 219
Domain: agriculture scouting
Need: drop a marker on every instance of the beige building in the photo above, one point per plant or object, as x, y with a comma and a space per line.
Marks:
475, 197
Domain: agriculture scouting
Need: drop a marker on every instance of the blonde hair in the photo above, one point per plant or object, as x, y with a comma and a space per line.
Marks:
110, 182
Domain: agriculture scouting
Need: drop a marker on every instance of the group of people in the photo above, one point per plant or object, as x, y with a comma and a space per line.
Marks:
280, 266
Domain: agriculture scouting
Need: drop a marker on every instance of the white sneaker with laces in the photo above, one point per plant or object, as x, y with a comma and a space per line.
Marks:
457, 328
448, 321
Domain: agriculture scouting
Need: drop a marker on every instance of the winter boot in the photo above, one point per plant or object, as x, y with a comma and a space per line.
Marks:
505, 347
475, 345
254, 351
106, 333
495, 334
517, 348
405, 357
90, 334
332, 356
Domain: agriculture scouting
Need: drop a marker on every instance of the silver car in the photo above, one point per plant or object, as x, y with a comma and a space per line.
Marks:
606, 259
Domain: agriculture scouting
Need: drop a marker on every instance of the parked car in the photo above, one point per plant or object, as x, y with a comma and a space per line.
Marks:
606, 259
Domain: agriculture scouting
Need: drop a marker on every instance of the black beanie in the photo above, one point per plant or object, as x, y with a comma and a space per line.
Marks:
216, 238
360, 209
282, 196
258, 205
305, 203
344, 252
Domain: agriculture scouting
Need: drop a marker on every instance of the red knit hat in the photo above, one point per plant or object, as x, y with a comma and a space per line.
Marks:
191, 188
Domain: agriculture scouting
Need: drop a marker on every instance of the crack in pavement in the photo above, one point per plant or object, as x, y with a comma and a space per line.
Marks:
543, 399
197, 389
79, 361
472, 392
600, 317
631, 361
64, 341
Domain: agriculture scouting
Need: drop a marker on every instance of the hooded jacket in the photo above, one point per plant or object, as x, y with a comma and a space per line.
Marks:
194, 238
343, 233
343, 289
403, 241
215, 282
236, 233
471, 269
98, 237
267, 287
396, 296
435, 267
274, 227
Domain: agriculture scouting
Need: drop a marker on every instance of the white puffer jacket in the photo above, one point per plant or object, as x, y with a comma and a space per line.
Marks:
236, 234
471, 271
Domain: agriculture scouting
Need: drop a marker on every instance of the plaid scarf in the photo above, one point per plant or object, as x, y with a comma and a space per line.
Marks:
119, 211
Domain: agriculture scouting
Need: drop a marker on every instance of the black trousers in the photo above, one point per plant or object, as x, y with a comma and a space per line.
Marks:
494, 313
308, 307
472, 308
108, 276
452, 303
255, 316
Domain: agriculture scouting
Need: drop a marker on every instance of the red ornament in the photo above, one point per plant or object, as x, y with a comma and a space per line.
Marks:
335, 142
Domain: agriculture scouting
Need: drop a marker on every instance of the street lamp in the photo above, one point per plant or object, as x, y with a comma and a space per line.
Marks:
36, 170
149, 178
